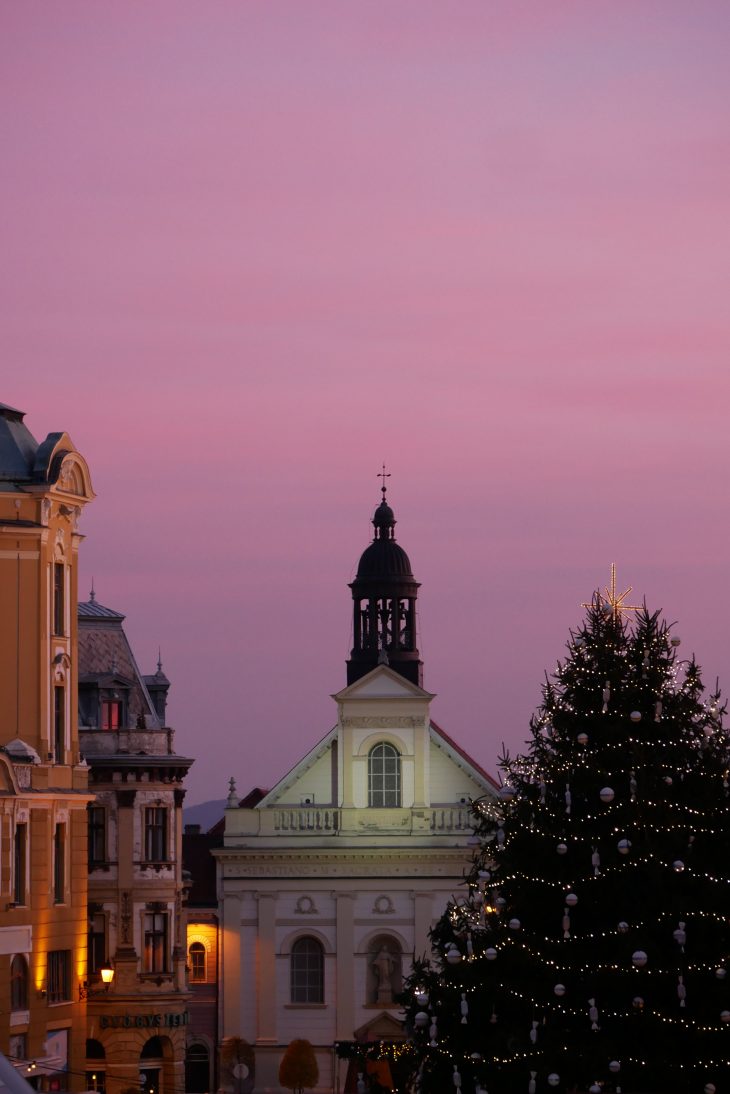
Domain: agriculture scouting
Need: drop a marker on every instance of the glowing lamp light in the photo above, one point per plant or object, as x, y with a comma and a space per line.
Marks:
107, 974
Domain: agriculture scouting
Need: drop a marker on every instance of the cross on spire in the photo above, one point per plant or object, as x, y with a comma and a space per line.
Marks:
383, 475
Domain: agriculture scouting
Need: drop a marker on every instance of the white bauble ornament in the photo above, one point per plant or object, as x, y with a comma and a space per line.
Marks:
562, 848
635, 715
668, 780
678, 866
676, 641
500, 903
506, 793
453, 956
514, 924
491, 954
637, 1002
579, 642
721, 973
607, 794
623, 927
639, 958
421, 1019
624, 846
725, 1015
422, 998
594, 1088
614, 1066
553, 1079
484, 875
559, 989
710, 1088
571, 900
582, 738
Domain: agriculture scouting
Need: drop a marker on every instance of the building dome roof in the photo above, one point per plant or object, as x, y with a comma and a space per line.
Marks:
383, 558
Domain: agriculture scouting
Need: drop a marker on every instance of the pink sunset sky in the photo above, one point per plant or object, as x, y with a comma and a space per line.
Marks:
253, 250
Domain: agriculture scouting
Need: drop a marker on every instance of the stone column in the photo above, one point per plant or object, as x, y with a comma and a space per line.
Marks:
422, 915
266, 968
345, 960
230, 967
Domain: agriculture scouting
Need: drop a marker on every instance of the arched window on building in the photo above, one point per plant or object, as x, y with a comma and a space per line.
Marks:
384, 777
196, 963
307, 971
19, 983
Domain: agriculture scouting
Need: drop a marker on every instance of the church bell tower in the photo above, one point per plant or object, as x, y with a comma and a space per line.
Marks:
384, 596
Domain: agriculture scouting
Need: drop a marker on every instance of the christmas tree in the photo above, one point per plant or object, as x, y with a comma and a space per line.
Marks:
589, 949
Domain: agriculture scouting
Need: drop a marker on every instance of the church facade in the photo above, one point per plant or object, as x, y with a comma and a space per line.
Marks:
330, 882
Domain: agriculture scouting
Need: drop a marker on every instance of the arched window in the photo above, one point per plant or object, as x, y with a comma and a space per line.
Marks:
307, 971
384, 777
19, 983
196, 961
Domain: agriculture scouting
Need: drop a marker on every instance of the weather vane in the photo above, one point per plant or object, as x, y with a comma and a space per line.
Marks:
615, 603
383, 475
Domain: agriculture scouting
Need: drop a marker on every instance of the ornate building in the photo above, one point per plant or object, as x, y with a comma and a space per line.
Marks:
43, 878
138, 1023
330, 882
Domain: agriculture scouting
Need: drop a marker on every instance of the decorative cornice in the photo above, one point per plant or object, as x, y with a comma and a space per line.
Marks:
391, 722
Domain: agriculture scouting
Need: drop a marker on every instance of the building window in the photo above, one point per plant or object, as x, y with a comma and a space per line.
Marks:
97, 834
97, 941
155, 834
196, 961
96, 1080
111, 713
59, 723
59, 612
19, 983
59, 976
20, 862
155, 942
59, 864
384, 777
197, 1069
307, 971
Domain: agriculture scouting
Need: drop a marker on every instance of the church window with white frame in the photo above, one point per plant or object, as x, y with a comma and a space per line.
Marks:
384, 777
307, 971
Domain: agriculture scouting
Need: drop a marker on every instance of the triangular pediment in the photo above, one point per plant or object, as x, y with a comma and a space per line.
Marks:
382, 683
384, 1027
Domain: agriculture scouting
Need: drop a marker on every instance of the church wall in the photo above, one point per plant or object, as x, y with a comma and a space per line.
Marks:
448, 782
315, 783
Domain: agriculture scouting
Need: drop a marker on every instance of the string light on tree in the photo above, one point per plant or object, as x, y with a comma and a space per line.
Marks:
595, 919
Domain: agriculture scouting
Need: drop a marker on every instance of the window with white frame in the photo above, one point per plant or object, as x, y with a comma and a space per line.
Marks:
384, 776
307, 971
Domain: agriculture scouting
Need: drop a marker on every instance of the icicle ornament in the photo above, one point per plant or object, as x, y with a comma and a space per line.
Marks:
464, 1008
568, 798
606, 697
593, 1013
596, 862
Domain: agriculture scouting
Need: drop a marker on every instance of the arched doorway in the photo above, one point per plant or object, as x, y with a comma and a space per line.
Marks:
197, 1069
95, 1066
156, 1067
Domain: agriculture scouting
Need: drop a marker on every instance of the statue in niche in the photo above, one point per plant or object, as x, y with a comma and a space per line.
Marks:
384, 965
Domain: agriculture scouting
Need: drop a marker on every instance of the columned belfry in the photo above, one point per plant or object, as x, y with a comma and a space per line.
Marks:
384, 596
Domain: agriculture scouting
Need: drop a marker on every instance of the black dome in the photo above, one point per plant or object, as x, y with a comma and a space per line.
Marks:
383, 558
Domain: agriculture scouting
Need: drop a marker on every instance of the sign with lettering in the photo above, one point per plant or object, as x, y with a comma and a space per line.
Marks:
144, 1021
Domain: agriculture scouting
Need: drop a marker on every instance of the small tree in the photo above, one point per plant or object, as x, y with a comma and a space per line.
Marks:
298, 1068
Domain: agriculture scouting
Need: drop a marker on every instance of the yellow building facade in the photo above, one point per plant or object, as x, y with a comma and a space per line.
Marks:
43, 779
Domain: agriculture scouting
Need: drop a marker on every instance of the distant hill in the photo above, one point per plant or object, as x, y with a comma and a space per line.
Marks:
206, 814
